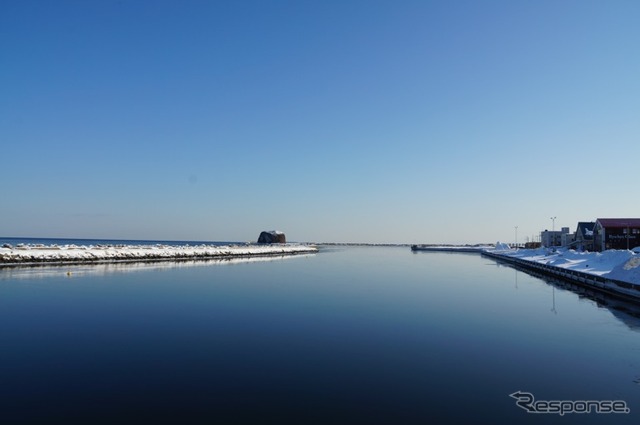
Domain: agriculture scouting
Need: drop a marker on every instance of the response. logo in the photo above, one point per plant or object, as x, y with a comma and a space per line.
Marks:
528, 402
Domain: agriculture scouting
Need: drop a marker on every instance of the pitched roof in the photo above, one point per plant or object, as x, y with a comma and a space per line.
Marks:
586, 229
619, 222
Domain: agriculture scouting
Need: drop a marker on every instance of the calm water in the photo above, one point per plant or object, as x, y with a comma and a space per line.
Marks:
349, 335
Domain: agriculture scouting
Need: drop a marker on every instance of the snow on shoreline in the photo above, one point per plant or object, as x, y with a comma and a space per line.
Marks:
37, 254
620, 265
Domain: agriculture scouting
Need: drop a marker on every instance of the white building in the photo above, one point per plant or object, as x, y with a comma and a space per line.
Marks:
556, 237
567, 238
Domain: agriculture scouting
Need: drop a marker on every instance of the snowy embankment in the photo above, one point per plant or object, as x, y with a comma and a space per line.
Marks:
619, 265
38, 254
450, 248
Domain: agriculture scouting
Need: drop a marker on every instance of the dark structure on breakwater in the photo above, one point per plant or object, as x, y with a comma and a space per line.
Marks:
272, 236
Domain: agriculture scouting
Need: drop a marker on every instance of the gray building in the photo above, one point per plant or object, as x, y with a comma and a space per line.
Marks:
554, 237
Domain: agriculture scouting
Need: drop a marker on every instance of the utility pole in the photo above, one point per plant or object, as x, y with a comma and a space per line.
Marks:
628, 231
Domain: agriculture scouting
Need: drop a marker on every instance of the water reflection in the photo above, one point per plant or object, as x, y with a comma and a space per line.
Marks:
101, 269
628, 312
354, 335
625, 311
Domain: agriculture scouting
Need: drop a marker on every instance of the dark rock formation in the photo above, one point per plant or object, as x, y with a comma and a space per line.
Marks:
272, 236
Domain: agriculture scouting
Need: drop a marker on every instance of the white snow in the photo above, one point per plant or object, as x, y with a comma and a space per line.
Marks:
72, 253
502, 246
613, 264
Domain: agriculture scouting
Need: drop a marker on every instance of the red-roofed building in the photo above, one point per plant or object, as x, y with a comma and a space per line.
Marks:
616, 233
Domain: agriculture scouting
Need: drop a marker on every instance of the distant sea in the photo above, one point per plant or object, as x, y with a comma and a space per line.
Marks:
58, 241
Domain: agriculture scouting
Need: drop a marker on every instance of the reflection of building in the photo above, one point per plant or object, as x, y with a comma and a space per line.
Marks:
555, 237
616, 233
584, 236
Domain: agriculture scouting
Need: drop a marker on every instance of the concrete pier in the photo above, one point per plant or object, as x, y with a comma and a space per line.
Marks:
627, 290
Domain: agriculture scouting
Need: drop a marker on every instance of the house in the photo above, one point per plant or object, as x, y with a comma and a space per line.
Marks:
616, 233
584, 236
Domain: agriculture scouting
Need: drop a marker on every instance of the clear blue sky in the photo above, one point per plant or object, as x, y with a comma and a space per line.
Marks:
344, 121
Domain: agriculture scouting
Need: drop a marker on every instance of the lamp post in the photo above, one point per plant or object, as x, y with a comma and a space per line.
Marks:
628, 231
516, 237
553, 231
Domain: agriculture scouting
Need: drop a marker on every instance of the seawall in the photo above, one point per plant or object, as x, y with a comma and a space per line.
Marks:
627, 290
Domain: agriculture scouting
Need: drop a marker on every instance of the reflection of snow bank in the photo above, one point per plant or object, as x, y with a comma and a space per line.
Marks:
73, 253
612, 264
104, 268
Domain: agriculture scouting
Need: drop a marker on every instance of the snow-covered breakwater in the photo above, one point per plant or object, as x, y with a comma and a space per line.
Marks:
449, 248
48, 254
613, 271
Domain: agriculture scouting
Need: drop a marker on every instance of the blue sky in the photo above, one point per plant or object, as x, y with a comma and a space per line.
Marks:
342, 121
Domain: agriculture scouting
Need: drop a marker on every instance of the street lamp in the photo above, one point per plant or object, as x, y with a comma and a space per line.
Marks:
516, 237
553, 230
626, 232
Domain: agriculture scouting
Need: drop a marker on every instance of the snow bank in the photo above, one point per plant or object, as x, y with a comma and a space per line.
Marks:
613, 264
629, 271
72, 253
502, 247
